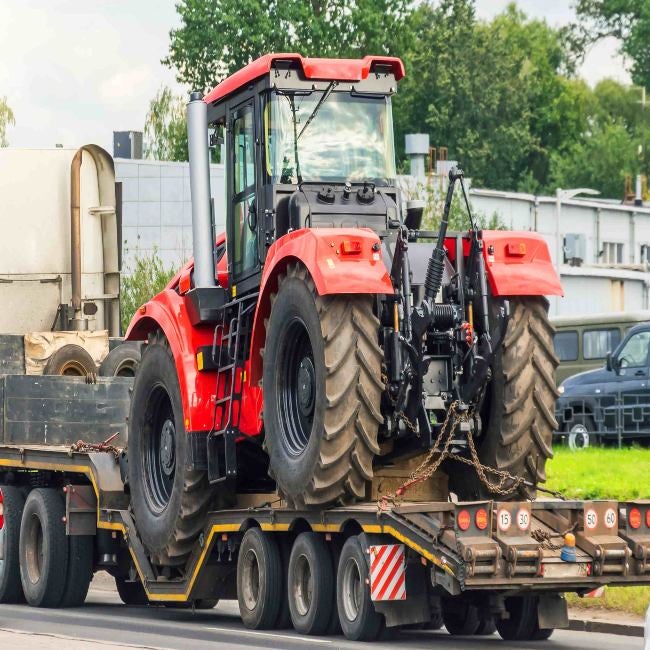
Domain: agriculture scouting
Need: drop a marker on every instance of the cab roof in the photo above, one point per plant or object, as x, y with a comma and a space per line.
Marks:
318, 69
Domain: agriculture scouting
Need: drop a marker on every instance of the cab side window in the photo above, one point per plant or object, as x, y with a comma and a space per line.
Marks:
634, 353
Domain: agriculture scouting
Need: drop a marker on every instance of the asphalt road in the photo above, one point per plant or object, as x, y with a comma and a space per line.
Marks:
104, 619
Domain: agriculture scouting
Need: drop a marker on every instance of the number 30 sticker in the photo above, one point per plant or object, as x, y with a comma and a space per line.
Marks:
523, 519
591, 519
610, 518
504, 520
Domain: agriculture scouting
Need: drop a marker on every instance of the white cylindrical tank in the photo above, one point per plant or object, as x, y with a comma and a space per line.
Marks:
35, 246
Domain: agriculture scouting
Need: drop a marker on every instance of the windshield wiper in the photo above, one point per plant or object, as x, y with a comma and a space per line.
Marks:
321, 101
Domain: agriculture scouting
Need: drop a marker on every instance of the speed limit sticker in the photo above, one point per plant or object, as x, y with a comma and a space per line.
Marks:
523, 519
610, 517
504, 520
591, 519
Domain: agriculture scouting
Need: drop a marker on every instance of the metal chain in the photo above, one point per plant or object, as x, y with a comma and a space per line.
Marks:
83, 447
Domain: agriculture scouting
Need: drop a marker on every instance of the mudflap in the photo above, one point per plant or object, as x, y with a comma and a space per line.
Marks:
552, 612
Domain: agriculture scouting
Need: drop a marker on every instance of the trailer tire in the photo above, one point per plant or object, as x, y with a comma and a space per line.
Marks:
43, 548
522, 624
460, 617
322, 392
121, 361
311, 584
71, 360
169, 501
11, 588
518, 410
359, 619
486, 626
131, 592
259, 580
81, 556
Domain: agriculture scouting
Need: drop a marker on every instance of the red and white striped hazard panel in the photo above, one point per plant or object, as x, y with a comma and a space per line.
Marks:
387, 572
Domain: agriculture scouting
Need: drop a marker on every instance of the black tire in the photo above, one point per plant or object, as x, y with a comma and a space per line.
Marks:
322, 438
169, 501
460, 617
359, 619
11, 588
518, 412
131, 593
259, 580
81, 555
580, 432
522, 623
71, 360
486, 626
311, 584
43, 548
121, 361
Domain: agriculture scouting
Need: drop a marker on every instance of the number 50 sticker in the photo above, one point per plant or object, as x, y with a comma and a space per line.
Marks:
591, 519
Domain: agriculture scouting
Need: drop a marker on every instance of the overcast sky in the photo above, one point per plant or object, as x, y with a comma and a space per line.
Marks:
74, 71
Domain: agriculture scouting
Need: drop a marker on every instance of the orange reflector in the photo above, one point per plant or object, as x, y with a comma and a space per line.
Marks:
2, 510
464, 519
634, 518
481, 518
350, 247
647, 518
517, 249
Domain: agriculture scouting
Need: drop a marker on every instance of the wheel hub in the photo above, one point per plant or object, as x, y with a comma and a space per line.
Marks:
306, 380
167, 448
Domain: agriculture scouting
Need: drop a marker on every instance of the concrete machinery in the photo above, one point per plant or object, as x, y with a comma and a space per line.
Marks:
340, 418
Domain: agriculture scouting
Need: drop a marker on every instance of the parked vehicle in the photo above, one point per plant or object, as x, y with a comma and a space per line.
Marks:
582, 342
611, 402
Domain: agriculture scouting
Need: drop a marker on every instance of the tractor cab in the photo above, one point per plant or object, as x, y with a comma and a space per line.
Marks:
309, 143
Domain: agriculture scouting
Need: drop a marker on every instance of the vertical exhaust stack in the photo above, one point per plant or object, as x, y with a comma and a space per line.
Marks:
202, 228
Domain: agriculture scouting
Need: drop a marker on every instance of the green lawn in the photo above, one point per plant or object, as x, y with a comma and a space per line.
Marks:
602, 473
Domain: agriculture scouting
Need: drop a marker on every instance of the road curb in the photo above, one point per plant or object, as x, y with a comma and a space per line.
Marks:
604, 627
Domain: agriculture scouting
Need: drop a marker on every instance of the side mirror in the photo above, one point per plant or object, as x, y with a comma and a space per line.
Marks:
609, 363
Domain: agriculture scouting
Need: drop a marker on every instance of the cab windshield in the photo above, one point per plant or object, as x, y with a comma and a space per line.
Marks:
336, 137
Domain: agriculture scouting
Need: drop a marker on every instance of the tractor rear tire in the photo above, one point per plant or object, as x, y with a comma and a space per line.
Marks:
169, 501
322, 392
122, 361
518, 411
71, 360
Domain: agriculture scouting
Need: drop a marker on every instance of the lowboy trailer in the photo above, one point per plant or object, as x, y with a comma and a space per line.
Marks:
471, 566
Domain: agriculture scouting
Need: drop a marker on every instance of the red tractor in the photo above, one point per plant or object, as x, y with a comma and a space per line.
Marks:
325, 334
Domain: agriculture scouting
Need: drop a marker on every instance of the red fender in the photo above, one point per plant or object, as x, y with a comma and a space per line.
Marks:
340, 260
167, 312
519, 264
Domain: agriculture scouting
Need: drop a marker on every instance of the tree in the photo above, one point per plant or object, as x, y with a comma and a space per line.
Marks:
627, 20
140, 283
6, 119
218, 37
165, 131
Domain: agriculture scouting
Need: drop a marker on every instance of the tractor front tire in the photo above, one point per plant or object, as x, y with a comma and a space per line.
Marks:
518, 413
170, 502
322, 392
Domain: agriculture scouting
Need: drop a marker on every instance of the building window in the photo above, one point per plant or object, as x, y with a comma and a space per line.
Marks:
566, 345
597, 343
644, 257
612, 253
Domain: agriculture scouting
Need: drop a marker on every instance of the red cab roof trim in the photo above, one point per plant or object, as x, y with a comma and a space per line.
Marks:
321, 69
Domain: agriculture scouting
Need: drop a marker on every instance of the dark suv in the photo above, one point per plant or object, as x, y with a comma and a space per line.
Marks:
611, 402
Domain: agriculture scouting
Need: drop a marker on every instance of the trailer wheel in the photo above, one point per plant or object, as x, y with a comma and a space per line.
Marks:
460, 616
359, 619
311, 584
131, 592
71, 360
43, 548
81, 555
322, 392
169, 501
486, 626
522, 624
12, 503
121, 361
518, 411
259, 580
